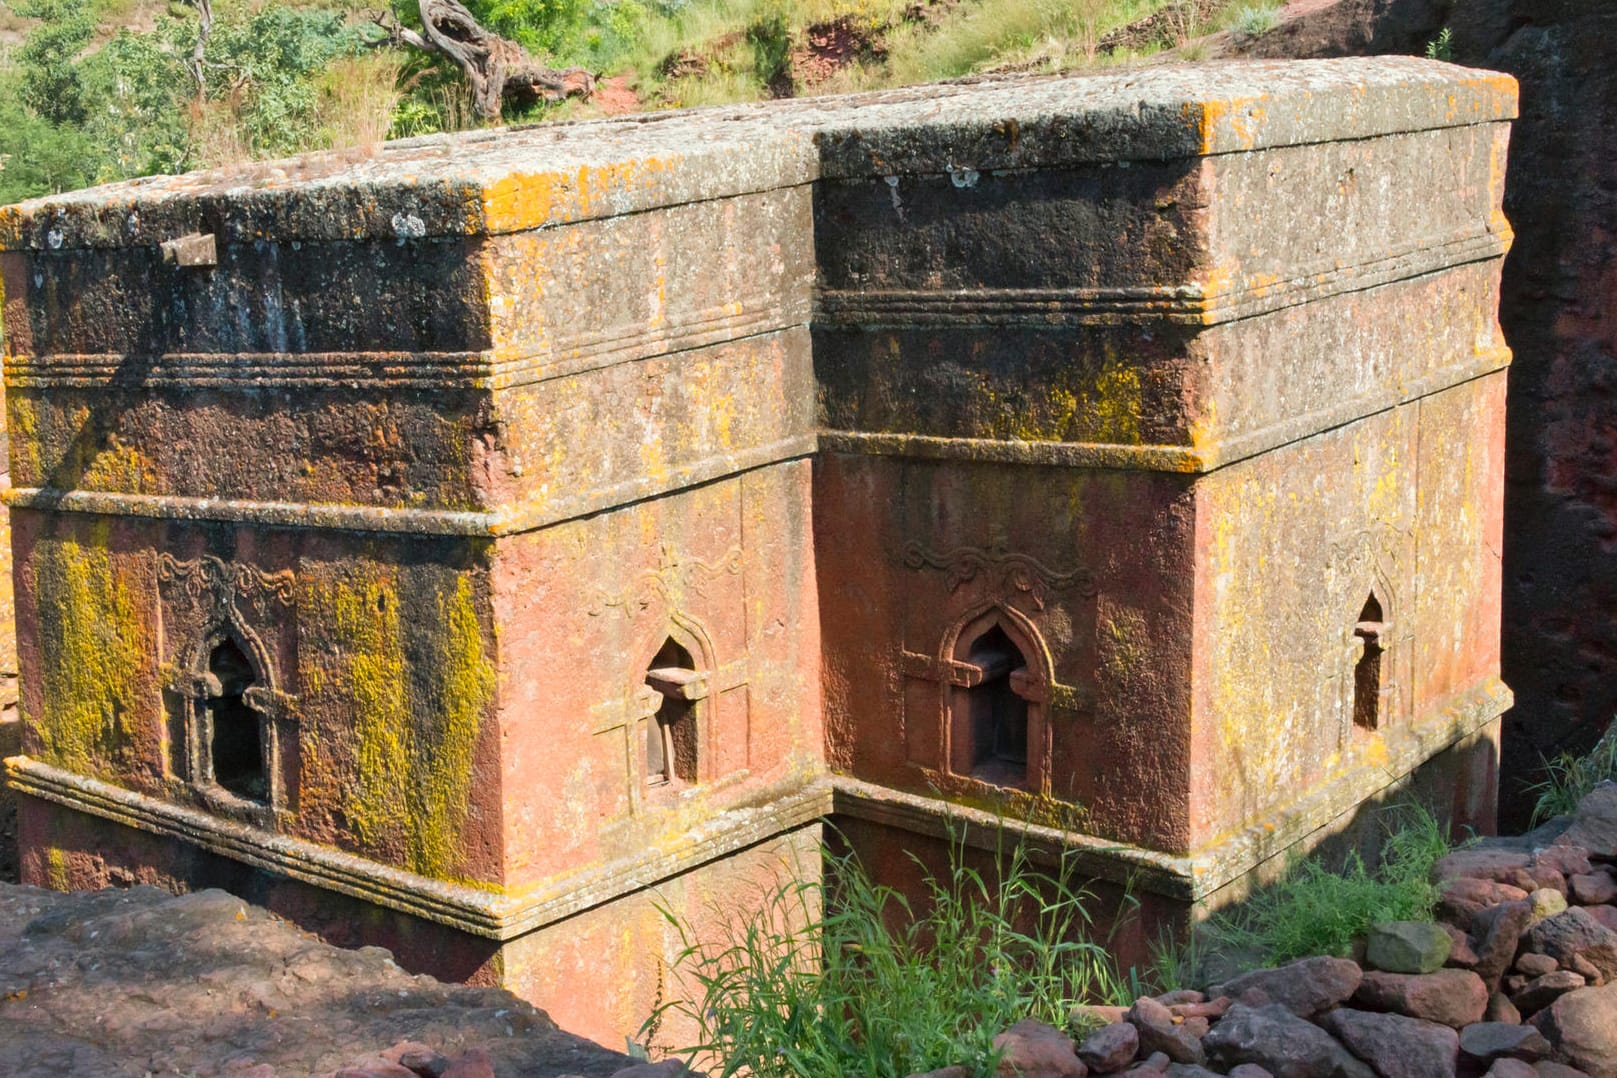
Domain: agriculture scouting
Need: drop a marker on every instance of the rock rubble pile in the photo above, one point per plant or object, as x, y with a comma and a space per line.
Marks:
1517, 978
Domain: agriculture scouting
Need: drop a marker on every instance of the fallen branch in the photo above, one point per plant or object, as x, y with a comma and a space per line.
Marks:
498, 70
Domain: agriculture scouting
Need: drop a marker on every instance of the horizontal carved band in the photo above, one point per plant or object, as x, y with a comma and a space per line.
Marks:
1187, 304
569, 354
524, 516
481, 912
1161, 458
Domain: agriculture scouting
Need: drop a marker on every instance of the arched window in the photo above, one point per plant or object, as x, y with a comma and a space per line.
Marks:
671, 732
235, 743
1367, 680
989, 738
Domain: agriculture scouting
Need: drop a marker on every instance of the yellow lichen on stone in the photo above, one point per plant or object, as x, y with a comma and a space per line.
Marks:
367, 622
463, 685
93, 644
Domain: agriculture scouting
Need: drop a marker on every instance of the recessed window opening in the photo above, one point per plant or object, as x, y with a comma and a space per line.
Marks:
1367, 672
671, 732
236, 746
998, 716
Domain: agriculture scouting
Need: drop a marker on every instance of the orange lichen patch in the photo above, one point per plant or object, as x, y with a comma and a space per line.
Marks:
1242, 117
531, 200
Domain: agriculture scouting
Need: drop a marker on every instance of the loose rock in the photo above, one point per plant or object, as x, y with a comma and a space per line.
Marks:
1450, 997
1485, 1042
1576, 932
1407, 947
1306, 987
1396, 1046
1110, 1048
1282, 1043
1159, 1033
1581, 1027
1033, 1049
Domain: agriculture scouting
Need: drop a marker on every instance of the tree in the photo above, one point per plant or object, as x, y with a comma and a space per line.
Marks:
498, 70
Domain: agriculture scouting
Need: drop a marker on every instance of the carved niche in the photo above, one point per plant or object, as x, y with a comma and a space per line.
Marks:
228, 711
1375, 649
667, 710
984, 708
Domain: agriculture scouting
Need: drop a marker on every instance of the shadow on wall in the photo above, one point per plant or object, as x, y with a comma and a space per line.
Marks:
1560, 573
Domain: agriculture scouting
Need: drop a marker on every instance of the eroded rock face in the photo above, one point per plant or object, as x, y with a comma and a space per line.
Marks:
138, 981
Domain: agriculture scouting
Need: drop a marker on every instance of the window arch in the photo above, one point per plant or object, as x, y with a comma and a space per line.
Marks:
1369, 677
671, 743
998, 703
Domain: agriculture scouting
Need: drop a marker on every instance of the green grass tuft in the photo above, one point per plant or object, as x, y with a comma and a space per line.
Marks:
872, 987
1568, 779
1318, 911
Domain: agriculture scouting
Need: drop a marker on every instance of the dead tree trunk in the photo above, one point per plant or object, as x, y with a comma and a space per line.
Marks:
498, 70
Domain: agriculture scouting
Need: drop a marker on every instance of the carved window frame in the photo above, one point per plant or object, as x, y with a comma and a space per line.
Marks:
196, 686
1046, 698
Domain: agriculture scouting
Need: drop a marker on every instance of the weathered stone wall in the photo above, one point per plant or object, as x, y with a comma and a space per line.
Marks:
1560, 579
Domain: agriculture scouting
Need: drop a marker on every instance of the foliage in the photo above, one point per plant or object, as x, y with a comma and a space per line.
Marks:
845, 978
1568, 779
1441, 47
1316, 910
1254, 20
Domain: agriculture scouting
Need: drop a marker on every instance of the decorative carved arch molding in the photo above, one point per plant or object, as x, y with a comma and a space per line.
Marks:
985, 707
666, 712
225, 749
1374, 664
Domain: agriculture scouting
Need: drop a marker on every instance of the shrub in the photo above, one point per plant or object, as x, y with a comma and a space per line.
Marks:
872, 987
1254, 20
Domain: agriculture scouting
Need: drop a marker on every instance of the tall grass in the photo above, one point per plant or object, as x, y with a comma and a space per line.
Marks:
1316, 910
845, 978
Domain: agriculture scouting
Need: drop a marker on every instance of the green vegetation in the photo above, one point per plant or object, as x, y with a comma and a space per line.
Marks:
845, 979
1441, 47
1315, 910
1254, 20
99, 90
1568, 779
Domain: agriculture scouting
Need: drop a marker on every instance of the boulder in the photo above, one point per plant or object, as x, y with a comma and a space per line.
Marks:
1033, 1049
1540, 992
1550, 1069
1306, 987
1482, 863
1498, 933
1462, 955
1396, 1046
1485, 1042
1576, 932
1110, 1048
1593, 888
1461, 898
1594, 824
1407, 947
1547, 902
1450, 997
956, 1071
1581, 1027
1536, 965
1280, 1042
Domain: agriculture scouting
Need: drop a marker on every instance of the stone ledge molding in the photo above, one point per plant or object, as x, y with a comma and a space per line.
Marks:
551, 174
529, 515
1196, 876
486, 912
